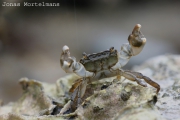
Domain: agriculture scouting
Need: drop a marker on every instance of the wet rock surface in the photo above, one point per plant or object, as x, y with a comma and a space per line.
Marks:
105, 99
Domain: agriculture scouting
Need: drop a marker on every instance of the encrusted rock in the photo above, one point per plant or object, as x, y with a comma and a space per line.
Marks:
38, 99
165, 69
108, 102
105, 99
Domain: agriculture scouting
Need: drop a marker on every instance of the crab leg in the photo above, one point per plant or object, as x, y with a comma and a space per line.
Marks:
147, 79
132, 77
81, 91
78, 89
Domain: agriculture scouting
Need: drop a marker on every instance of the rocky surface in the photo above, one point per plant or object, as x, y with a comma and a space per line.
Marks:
105, 99
166, 70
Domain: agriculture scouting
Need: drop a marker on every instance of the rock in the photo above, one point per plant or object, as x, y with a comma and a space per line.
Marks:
165, 69
108, 102
104, 99
38, 99
139, 113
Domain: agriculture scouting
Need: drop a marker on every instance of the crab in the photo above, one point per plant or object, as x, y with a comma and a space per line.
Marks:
105, 64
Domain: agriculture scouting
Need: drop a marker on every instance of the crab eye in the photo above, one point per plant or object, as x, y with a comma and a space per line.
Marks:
111, 49
84, 55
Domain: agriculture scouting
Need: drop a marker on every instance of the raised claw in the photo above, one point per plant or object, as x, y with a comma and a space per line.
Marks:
136, 40
136, 29
65, 56
136, 43
69, 64
66, 60
65, 49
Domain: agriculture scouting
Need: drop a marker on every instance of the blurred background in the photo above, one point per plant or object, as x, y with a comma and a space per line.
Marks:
31, 38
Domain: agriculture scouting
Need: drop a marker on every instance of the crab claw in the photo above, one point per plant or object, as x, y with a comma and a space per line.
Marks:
66, 60
65, 49
136, 40
136, 29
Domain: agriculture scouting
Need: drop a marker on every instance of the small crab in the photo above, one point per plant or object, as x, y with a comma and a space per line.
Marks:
105, 64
